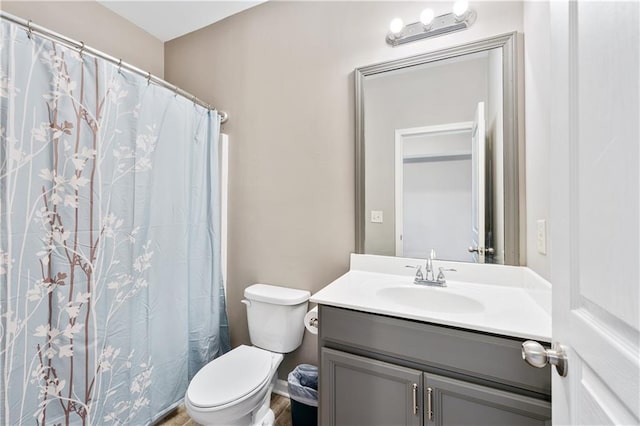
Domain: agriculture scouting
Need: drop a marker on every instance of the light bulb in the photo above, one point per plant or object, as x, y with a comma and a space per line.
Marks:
426, 17
460, 8
396, 26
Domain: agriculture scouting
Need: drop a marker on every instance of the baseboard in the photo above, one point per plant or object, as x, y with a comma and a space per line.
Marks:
281, 388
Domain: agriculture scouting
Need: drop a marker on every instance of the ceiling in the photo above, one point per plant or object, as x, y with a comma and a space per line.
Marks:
167, 20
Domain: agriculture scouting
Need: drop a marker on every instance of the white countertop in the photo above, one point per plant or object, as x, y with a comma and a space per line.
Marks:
505, 300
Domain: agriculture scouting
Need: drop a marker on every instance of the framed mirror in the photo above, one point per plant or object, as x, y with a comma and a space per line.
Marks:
438, 155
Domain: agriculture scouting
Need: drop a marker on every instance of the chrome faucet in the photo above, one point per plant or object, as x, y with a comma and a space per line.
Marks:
428, 278
429, 275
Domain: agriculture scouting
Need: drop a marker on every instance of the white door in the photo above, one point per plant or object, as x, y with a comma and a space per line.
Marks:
478, 188
595, 215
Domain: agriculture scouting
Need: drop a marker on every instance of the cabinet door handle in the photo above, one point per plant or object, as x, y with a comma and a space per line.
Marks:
415, 399
429, 409
414, 393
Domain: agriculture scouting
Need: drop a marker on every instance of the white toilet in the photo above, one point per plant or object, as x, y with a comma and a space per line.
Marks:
235, 389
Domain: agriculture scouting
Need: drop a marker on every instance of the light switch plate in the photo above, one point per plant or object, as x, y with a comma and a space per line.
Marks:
542, 236
376, 216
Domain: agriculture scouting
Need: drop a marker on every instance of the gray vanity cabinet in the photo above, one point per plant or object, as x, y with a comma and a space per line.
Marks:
368, 392
459, 403
379, 370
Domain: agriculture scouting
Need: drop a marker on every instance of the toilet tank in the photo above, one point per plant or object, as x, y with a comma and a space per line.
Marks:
276, 316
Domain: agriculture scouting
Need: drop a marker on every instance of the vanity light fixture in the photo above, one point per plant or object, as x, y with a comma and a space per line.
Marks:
461, 18
461, 9
426, 17
395, 28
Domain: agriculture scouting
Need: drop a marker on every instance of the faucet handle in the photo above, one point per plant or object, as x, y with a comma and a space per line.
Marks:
441, 272
419, 274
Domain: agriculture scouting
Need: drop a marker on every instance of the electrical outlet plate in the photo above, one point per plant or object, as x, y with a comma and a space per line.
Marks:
541, 236
376, 216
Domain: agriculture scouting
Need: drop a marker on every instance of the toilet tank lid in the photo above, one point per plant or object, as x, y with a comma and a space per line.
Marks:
276, 295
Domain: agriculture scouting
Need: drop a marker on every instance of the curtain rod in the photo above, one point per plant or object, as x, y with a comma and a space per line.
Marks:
80, 46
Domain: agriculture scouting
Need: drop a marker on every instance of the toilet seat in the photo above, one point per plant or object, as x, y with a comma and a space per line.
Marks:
231, 377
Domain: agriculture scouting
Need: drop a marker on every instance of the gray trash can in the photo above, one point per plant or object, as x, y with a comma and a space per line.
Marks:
303, 391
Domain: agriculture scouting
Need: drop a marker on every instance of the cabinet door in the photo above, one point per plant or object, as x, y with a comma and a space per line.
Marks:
455, 402
360, 391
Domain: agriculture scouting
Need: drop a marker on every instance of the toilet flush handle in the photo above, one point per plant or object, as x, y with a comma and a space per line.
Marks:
246, 302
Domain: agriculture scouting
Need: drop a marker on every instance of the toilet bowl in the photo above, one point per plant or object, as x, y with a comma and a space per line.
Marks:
235, 389
231, 389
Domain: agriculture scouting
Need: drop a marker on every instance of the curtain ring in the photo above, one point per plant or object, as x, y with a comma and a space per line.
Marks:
148, 78
29, 30
175, 91
81, 48
193, 98
120, 66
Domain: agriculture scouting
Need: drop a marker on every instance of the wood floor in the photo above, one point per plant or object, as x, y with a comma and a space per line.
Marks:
279, 404
281, 407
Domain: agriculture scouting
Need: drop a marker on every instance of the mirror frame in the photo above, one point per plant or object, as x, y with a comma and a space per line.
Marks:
512, 134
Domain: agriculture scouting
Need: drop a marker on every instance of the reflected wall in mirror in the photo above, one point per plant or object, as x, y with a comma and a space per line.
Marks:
437, 155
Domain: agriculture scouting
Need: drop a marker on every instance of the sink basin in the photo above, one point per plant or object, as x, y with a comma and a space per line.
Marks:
431, 299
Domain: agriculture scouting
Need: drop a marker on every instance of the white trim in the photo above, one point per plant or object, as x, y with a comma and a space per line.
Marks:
224, 203
281, 388
479, 141
459, 127
399, 165
400, 134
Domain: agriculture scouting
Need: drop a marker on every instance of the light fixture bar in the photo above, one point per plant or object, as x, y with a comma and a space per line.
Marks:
443, 24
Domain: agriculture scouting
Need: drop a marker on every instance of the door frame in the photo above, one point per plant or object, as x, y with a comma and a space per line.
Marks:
400, 135
479, 183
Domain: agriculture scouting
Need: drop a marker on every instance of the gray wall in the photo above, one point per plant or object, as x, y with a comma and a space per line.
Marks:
537, 81
435, 94
97, 26
284, 72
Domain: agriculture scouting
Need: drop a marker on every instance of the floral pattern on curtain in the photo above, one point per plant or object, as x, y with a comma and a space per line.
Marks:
110, 280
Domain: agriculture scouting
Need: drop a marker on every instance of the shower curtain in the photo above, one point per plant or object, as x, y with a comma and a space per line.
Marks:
110, 280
